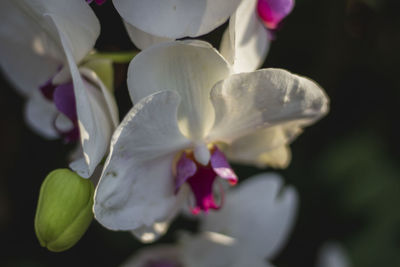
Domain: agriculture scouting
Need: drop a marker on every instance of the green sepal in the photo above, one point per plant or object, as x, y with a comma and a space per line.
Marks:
64, 210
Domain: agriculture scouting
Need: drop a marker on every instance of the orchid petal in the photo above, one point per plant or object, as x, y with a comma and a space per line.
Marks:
108, 97
209, 249
94, 121
143, 39
27, 34
265, 147
189, 68
137, 185
64, 100
245, 43
256, 216
215, 250
272, 12
40, 115
176, 18
149, 234
77, 21
248, 102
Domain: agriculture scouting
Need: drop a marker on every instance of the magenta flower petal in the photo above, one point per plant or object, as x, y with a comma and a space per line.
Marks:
201, 178
99, 2
72, 135
272, 12
47, 89
64, 99
221, 166
186, 168
202, 187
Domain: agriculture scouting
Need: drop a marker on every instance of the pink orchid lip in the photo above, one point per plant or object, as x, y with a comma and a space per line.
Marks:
201, 178
272, 12
63, 98
98, 2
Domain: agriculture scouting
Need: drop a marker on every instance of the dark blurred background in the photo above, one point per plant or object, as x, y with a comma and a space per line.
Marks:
345, 167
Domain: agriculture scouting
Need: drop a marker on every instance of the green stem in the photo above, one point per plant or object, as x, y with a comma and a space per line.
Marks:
116, 57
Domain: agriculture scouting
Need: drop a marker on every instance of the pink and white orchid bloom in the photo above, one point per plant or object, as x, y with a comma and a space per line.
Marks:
43, 42
251, 229
189, 110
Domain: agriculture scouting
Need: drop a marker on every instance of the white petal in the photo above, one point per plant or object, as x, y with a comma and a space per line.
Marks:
77, 21
108, 97
256, 216
40, 115
248, 102
63, 123
204, 250
217, 250
265, 147
30, 50
94, 121
245, 43
28, 54
142, 39
137, 186
277, 158
169, 253
149, 234
332, 255
176, 18
189, 68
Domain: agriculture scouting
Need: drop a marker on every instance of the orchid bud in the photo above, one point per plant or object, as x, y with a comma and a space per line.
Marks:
64, 210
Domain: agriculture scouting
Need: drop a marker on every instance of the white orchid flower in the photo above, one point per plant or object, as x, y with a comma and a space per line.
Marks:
189, 112
42, 44
246, 42
251, 229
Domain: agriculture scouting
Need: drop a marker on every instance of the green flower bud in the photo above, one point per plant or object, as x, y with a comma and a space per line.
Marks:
64, 209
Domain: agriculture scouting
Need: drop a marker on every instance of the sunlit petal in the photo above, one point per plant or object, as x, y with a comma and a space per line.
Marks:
137, 185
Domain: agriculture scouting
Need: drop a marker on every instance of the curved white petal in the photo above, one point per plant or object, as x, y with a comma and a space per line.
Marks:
259, 215
30, 50
332, 254
248, 102
108, 97
161, 253
137, 185
94, 120
76, 20
40, 115
189, 68
266, 146
176, 18
245, 43
143, 39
